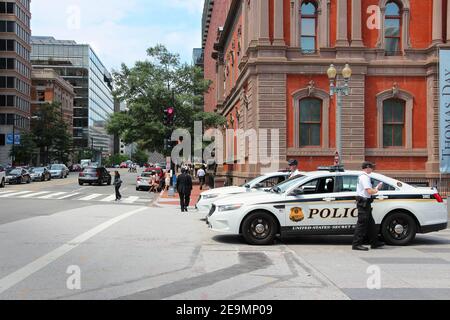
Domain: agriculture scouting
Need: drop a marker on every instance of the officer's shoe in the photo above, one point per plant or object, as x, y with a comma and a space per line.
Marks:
377, 245
360, 248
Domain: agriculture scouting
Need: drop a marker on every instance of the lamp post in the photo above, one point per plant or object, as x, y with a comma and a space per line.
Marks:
339, 91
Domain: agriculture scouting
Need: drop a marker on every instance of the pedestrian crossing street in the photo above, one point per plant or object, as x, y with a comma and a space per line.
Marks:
75, 196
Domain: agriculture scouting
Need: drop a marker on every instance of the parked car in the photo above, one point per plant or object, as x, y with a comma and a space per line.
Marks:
76, 168
2, 177
260, 183
18, 176
143, 181
92, 175
59, 171
323, 203
40, 174
123, 165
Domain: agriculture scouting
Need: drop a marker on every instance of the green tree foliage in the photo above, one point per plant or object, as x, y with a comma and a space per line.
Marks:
23, 153
151, 86
115, 159
140, 157
51, 133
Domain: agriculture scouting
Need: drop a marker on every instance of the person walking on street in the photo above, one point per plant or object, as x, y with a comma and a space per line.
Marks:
366, 224
184, 188
201, 176
117, 185
293, 166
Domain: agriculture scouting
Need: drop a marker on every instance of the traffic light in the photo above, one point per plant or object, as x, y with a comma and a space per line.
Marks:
169, 116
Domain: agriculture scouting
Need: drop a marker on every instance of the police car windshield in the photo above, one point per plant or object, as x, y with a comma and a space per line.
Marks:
284, 186
251, 183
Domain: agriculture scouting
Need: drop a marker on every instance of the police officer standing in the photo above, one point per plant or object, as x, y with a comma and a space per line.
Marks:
366, 224
293, 166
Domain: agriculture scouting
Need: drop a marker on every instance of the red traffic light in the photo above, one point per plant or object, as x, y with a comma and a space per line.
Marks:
170, 110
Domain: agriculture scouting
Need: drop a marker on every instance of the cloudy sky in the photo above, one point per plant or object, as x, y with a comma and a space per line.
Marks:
121, 30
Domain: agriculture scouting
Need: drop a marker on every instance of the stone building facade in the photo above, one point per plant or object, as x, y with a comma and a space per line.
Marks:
271, 59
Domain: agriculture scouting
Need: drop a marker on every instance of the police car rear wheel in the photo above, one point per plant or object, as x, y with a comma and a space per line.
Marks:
259, 228
399, 229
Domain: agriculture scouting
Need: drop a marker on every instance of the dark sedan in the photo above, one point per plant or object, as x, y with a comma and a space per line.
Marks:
18, 176
93, 175
40, 174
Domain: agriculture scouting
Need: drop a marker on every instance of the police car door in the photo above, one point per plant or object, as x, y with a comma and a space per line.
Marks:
309, 207
347, 213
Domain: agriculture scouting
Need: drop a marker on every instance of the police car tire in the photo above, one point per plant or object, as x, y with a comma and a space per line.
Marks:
263, 219
403, 219
2, 184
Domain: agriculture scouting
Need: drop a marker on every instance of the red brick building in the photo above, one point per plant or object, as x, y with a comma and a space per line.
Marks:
49, 87
269, 60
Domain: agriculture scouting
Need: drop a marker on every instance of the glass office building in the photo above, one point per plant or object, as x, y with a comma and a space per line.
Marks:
94, 103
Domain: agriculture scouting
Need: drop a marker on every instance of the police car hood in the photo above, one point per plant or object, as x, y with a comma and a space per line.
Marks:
250, 198
225, 191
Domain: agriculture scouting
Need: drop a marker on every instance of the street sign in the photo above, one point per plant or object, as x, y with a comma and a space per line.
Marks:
9, 139
444, 114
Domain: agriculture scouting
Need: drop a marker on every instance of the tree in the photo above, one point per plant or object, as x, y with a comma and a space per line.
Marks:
51, 133
24, 152
140, 157
149, 87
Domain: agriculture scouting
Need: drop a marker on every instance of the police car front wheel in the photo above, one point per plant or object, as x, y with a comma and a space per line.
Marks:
259, 228
399, 229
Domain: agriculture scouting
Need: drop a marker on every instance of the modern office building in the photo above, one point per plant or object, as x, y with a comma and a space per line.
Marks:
15, 72
80, 66
197, 57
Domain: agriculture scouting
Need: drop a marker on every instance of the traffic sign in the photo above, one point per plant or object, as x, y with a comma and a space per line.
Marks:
9, 139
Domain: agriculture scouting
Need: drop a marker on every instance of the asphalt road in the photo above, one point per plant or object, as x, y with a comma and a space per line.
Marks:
94, 249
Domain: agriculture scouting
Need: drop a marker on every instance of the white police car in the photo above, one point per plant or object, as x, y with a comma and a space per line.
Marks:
323, 203
265, 181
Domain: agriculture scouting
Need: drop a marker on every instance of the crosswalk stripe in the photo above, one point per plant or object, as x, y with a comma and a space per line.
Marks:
14, 194
32, 195
7, 191
68, 196
109, 199
91, 197
53, 195
130, 200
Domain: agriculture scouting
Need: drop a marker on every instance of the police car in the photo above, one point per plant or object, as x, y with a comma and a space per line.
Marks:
323, 203
265, 181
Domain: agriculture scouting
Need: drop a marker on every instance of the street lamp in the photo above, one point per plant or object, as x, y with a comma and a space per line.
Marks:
339, 91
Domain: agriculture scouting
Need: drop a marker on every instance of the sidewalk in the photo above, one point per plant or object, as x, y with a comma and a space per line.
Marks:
165, 201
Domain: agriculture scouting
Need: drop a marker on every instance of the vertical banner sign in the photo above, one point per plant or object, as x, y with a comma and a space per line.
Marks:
444, 114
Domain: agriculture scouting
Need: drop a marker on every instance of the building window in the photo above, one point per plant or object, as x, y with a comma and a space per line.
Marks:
393, 123
308, 27
392, 31
310, 122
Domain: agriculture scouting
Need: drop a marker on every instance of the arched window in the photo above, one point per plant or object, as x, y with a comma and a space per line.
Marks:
393, 29
393, 123
308, 26
310, 122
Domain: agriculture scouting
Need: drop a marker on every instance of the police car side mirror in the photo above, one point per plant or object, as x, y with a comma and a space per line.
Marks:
259, 186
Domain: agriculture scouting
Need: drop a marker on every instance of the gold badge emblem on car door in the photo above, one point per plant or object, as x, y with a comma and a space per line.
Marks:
296, 214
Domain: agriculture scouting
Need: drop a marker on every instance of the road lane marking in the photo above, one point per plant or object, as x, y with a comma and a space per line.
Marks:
130, 200
35, 194
23, 273
68, 196
7, 191
91, 197
109, 199
14, 194
53, 195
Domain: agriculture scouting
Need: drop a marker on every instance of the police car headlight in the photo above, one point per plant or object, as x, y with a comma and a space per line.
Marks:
229, 207
209, 196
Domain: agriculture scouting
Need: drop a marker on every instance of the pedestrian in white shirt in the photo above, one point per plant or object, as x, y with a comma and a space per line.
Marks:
201, 176
366, 224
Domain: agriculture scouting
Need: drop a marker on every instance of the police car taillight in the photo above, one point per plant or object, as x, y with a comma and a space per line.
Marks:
438, 197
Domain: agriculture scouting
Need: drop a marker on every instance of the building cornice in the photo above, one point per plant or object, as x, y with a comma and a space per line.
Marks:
229, 23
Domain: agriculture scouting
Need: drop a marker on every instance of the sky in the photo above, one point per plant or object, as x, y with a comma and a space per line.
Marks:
121, 30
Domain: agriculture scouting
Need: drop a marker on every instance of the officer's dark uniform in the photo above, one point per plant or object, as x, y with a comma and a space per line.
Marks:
184, 188
366, 225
